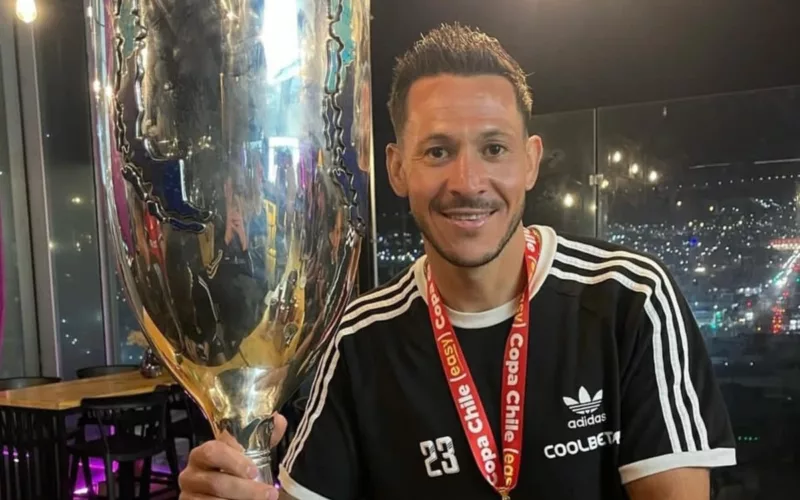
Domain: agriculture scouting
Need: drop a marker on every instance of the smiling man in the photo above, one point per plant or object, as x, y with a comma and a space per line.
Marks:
508, 361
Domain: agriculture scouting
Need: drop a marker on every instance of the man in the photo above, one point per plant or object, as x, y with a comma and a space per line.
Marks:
509, 361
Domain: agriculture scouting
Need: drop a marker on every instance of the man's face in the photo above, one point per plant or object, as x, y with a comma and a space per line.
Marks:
465, 163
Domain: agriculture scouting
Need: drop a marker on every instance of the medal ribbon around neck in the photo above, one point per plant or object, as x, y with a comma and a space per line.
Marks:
502, 472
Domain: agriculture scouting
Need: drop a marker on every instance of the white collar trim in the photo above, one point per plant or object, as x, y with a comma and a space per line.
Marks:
491, 317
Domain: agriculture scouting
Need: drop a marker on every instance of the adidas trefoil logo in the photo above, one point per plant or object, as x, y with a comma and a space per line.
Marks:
585, 403
585, 406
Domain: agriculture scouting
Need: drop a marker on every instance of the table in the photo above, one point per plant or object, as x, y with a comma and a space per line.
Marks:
33, 424
68, 395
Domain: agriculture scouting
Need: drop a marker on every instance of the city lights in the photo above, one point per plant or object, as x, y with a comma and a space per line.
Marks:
569, 200
616, 157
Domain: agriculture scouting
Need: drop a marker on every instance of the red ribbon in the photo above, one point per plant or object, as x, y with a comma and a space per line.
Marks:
465, 394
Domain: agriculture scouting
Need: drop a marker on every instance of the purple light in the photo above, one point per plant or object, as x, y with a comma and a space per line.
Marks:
98, 475
98, 469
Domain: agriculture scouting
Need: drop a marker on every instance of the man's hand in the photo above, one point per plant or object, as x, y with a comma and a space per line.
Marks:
676, 484
219, 470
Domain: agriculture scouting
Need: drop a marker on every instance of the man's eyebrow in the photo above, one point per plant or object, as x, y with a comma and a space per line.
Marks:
436, 137
494, 133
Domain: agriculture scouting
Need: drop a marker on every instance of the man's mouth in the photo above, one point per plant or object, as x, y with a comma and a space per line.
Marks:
468, 219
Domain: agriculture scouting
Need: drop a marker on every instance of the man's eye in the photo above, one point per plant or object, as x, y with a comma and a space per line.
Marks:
495, 150
436, 153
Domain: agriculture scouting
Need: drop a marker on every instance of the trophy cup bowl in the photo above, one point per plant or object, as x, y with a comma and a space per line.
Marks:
234, 143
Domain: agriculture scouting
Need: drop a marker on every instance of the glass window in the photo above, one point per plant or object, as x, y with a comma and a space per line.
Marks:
711, 186
12, 349
399, 242
69, 177
564, 196
127, 336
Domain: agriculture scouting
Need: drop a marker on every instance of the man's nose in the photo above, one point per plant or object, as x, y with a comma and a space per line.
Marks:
468, 175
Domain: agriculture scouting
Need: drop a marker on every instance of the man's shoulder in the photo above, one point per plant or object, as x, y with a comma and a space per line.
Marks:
379, 305
606, 275
593, 254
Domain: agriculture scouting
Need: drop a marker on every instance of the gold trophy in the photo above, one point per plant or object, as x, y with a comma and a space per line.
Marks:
234, 138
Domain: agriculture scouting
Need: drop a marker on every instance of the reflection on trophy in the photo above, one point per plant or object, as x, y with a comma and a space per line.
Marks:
233, 138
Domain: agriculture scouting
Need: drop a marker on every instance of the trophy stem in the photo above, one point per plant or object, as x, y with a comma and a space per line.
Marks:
263, 462
255, 439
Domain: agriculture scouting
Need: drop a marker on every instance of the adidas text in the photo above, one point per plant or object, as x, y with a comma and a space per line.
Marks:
587, 421
581, 446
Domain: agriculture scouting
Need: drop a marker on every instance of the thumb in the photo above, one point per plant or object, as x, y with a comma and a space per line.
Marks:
279, 430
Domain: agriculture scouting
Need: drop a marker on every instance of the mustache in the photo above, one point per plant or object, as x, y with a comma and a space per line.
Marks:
469, 202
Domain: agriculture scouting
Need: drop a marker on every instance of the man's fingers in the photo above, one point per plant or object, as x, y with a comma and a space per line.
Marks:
226, 438
279, 430
277, 434
197, 496
218, 455
213, 485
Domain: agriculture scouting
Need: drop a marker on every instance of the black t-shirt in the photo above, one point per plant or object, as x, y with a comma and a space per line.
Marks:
619, 387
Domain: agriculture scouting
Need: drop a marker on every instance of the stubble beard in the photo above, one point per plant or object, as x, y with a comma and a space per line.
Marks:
483, 259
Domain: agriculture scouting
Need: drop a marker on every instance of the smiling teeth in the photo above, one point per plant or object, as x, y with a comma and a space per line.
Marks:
468, 216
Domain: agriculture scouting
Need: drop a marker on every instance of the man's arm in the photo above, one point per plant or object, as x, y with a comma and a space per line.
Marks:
323, 460
676, 484
674, 424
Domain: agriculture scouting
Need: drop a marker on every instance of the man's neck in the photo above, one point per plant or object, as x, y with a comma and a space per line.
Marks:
481, 288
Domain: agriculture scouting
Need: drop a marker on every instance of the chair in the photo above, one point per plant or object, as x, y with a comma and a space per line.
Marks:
139, 433
190, 422
8, 384
99, 371
180, 424
96, 371
27, 450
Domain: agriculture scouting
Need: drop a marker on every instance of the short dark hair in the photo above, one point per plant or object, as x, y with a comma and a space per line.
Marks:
458, 50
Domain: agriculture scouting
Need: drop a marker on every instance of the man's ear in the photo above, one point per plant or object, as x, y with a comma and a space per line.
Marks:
533, 151
394, 167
